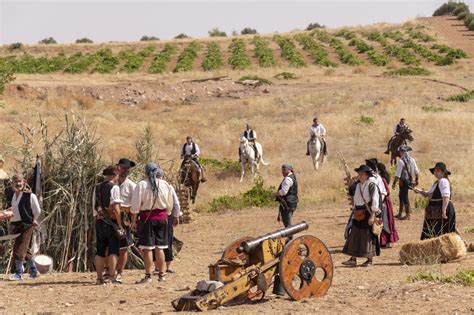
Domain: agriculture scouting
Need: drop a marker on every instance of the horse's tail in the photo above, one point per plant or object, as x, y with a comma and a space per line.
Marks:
263, 162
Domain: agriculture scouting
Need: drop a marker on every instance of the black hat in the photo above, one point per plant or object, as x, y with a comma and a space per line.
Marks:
441, 166
364, 168
372, 163
109, 171
126, 163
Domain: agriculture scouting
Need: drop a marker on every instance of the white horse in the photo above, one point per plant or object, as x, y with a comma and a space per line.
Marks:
247, 157
315, 151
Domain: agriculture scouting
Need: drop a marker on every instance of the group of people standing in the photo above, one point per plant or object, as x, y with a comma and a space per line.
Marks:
372, 206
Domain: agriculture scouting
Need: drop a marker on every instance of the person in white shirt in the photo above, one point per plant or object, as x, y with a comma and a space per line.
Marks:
26, 210
191, 149
127, 187
251, 136
396, 131
361, 242
152, 201
407, 176
287, 194
317, 130
440, 215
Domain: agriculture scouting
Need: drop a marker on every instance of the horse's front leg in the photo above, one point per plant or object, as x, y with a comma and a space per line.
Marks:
242, 172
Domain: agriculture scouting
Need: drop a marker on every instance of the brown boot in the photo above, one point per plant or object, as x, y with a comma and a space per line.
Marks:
400, 212
408, 211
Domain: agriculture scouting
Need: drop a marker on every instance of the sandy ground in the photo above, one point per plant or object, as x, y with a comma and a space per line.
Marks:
385, 286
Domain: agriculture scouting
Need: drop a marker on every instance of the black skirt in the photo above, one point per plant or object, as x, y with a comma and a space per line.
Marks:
436, 227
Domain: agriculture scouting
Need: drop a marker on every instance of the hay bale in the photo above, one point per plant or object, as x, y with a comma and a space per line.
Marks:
440, 249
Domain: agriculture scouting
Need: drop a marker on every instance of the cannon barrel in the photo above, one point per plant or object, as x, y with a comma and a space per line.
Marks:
248, 246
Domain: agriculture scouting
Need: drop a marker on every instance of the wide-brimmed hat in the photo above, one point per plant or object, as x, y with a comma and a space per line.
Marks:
109, 171
441, 166
372, 163
364, 169
126, 163
287, 166
404, 148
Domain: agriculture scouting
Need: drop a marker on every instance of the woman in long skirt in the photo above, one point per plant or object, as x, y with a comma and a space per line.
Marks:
440, 215
387, 238
361, 242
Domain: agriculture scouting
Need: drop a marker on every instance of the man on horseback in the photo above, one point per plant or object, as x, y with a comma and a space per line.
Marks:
396, 131
317, 130
251, 136
191, 149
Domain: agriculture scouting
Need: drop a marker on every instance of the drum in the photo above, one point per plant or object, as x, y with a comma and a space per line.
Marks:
44, 263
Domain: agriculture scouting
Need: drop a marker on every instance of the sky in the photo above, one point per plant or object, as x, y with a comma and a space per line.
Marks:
107, 20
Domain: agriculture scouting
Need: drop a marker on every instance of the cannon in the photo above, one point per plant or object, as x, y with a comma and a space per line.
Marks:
249, 266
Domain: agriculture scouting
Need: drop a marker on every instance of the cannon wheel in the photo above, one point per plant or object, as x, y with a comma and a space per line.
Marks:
306, 268
230, 252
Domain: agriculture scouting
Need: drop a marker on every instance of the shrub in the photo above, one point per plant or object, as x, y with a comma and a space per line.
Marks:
463, 15
79, 63
213, 59
469, 230
346, 34
83, 40
238, 58
187, 57
15, 46
408, 71
419, 35
289, 51
318, 53
465, 277
248, 30
133, 61
47, 41
460, 9
215, 32
450, 52
222, 165
6, 76
365, 120
146, 38
402, 54
395, 35
263, 53
434, 109
344, 54
312, 26
256, 78
462, 97
106, 61
448, 8
181, 36
162, 59
468, 19
471, 26
286, 76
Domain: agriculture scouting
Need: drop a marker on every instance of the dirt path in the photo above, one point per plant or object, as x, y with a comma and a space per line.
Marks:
452, 31
383, 287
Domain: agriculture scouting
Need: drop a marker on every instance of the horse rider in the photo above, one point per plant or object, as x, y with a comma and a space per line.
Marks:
317, 130
190, 148
396, 131
287, 194
251, 136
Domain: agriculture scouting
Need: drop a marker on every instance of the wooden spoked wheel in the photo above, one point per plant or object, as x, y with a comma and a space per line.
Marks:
230, 252
306, 268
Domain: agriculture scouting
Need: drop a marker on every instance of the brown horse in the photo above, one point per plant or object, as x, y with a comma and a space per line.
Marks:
189, 176
400, 139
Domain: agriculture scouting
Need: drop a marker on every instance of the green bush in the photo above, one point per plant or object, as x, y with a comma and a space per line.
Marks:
133, 60
344, 54
238, 55
248, 30
468, 19
222, 165
471, 26
469, 230
346, 34
263, 53
408, 71
162, 59
365, 120
6, 76
146, 38
434, 109
257, 196
106, 61
181, 36
463, 15
286, 76
460, 9
48, 41
15, 46
395, 35
215, 32
465, 277
187, 57
448, 8
213, 59
450, 52
256, 78
289, 51
83, 40
318, 53
79, 63
462, 97
419, 35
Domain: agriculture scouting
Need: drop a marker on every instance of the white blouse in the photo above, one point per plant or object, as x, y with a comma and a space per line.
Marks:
359, 201
444, 187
